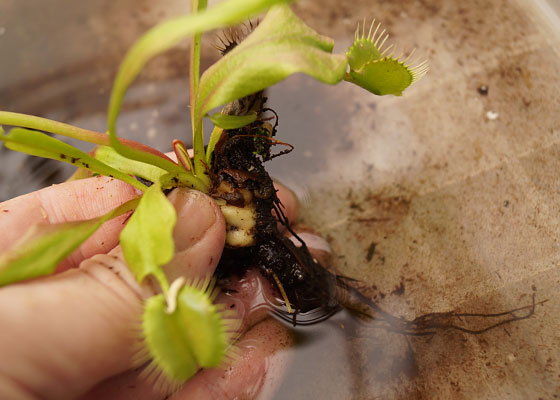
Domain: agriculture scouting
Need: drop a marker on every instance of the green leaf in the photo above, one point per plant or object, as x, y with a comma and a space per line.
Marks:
190, 337
280, 46
42, 145
214, 139
147, 239
161, 38
184, 179
43, 247
226, 121
384, 76
47, 125
58, 128
109, 156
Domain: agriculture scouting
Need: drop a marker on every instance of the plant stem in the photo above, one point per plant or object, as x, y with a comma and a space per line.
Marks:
194, 76
162, 280
123, 208
194, 182
59, 128
186, 179
144, 157
199, 158
194, 63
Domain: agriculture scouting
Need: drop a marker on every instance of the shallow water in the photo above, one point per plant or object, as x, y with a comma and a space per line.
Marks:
424, 198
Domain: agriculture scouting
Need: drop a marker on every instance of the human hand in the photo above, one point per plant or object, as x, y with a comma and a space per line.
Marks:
69, 335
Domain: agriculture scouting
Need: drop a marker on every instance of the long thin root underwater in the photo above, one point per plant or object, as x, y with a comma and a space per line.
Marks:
428, 324
432, 323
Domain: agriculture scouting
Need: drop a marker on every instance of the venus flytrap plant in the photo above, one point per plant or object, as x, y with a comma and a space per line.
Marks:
183, 330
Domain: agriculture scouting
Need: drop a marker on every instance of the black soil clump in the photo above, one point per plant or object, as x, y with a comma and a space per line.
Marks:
238, 158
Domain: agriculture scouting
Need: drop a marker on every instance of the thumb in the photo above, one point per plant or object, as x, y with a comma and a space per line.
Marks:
63, 334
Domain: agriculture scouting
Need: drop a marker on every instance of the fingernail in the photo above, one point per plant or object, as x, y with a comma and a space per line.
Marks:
195, 215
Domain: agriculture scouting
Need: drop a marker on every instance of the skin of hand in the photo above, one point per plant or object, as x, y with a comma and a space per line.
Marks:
70, 334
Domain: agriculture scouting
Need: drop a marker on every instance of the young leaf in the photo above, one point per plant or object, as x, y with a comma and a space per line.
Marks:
42, 145
109, 156
161, 38
147, 238
214, 138
192, 336
43, 247
226, 121
280, 46
182, 154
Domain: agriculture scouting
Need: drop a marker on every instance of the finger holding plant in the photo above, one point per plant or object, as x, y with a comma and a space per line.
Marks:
63, 334
181, 327
66, 333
